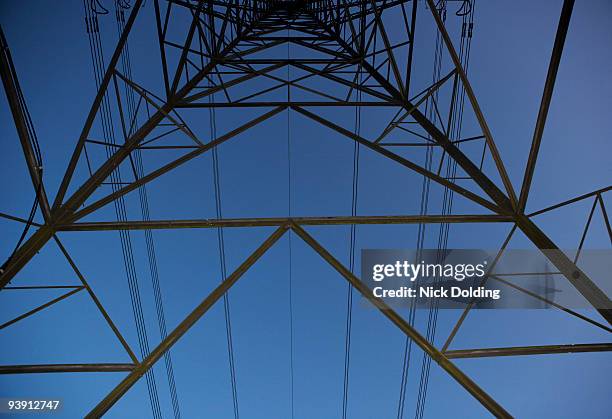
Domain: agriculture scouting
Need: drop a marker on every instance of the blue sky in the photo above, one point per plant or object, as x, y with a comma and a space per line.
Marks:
510, 53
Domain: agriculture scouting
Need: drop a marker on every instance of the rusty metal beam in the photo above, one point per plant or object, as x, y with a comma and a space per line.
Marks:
529, 350
265, 222
55, 368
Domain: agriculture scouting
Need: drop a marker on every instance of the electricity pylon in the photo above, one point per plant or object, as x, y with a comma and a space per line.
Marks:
360, 48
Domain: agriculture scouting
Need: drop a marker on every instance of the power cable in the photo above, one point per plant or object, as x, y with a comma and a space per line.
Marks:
454, 133
221, 245
91, 18
289, 210
120, 7
424, 206
352, 246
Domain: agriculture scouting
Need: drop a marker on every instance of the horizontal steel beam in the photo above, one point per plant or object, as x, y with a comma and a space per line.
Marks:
43, 287
267, 222
284, 103
53, 368
529, 350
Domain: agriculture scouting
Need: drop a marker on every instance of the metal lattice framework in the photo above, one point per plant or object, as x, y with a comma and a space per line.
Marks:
222, 60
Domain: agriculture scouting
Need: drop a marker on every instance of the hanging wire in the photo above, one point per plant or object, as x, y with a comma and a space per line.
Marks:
353, 238
131, 106
221, 245
209, 30
289, 210
431, 109
447, 204
424, 206
91, 19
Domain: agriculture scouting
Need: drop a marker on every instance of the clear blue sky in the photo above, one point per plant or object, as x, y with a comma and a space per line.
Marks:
510, 52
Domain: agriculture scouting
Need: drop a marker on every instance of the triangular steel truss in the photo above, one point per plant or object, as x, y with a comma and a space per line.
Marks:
225, 48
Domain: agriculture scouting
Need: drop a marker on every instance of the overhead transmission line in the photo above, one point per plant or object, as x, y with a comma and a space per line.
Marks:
431, 109
132, 110
221, 238
92, 9
222, 263
466, 11
454, 133
420, 242
289, 210
352, 248
353, 227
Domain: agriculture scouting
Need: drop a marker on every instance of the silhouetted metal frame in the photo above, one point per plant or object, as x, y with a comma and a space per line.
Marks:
64, 215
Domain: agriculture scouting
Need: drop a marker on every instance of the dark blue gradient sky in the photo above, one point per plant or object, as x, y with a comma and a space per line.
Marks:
510, 53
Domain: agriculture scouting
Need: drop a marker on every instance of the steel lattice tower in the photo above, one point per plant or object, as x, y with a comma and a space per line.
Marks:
218, 54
